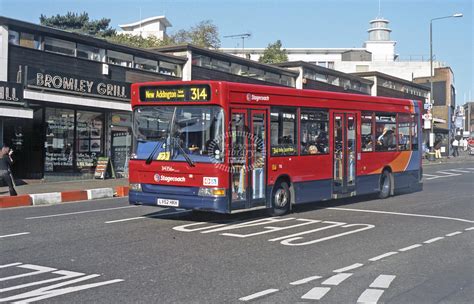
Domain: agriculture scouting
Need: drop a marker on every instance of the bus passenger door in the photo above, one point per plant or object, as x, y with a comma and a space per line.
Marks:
248, 158
345, 154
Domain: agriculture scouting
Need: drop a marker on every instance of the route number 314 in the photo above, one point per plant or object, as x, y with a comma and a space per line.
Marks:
198, 94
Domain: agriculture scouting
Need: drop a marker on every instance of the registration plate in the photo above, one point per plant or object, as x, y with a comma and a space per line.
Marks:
167, 202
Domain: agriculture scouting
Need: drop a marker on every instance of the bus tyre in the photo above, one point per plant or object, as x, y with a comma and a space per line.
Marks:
385, 184
281, 199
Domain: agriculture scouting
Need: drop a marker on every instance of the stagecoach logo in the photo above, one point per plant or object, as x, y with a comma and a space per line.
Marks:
251, 97
168, 179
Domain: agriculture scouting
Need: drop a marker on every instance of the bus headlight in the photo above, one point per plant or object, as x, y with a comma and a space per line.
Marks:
136, 187
212, 192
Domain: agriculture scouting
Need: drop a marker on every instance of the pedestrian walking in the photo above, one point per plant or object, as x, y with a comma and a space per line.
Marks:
437, 149
6, 162
464, 144
455, 148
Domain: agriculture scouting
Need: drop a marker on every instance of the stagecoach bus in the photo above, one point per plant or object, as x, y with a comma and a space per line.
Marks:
231, 147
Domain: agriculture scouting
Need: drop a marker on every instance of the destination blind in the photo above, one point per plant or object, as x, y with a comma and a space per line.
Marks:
175, 93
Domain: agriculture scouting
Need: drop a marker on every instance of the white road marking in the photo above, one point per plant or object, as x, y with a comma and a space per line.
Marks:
370, 296
9, 265
454, 233
316, 293
458, 170
78, 212
403, 214
337, 279
382, 256
468, 168
382, 281
353, 266
470, 228
433, 240
64, 276
51, 291
15, 234
258, 294
39, 270
146, 217
305, 280
410, 247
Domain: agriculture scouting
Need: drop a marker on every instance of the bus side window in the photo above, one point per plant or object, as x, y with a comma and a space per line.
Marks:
283, 131
403, 122
314, 132
385, 127
367, 141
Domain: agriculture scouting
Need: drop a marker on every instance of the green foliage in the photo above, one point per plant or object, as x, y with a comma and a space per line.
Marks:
204, 34
79, 23
274, 54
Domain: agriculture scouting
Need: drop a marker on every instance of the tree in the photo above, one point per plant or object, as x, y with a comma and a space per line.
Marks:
204, 34
274, 54
79, 23
139, 41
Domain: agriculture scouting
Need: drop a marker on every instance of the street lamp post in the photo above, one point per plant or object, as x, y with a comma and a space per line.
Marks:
432, 139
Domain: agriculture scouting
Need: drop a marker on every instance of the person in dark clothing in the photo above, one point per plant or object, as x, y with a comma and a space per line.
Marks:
5, 168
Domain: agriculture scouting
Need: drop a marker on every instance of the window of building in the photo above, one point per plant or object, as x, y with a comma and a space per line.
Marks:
146, 64
13, 37
30, 41
167, 68
201, 60
119, 58
403, 122
256, 73
59, 143
89, 52
89, 142
314, 132
385, 132
331, 65
287, 81
238, 69
272, 77
367, 138
59, 46
220, 65
414, 132
334, 80
283, 131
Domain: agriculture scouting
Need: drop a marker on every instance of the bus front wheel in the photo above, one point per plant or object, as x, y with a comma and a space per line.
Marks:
281, 199
385, 184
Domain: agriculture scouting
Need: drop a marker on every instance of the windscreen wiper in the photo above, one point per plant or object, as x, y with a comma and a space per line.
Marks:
185, 155
168, 132
152, 154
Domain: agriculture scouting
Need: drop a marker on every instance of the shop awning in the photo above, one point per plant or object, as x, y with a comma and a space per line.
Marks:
16, 112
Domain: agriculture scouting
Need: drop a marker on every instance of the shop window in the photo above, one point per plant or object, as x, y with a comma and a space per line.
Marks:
59, 140
30, 41
287, 81
89, 143
89, 52
13, 37
385, 128
59, 46
168, 68
256, 73
146, 64
414, 132
283, 131
403, 132
202, 61
119, 58
314, 132
221, 65
367, 140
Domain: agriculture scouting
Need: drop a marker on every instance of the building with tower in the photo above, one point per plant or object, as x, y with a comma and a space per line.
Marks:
153, 26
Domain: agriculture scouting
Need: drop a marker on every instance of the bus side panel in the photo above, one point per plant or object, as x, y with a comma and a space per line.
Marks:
367, 184
313, 191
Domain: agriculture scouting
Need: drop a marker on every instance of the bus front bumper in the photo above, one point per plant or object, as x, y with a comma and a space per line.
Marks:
192, 202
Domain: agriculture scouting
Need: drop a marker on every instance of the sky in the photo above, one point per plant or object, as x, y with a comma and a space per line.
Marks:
297, 23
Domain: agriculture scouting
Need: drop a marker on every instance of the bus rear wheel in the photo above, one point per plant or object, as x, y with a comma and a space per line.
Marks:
281, 199
385, 184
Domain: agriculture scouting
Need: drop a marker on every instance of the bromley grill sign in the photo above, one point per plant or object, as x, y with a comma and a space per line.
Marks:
11, 92
74, 84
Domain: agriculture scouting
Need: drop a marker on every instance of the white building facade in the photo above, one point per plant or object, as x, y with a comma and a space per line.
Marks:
153, 26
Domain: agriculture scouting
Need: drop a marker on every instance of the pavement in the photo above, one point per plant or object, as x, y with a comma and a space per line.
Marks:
40, 192
462, 158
